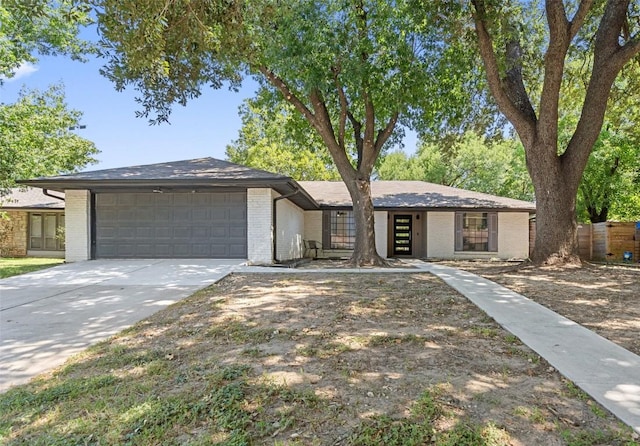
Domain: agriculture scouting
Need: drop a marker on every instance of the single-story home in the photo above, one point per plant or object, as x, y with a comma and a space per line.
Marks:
31, 223
208, 208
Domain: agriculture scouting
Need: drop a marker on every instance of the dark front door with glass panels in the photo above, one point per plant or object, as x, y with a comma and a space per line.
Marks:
402, 230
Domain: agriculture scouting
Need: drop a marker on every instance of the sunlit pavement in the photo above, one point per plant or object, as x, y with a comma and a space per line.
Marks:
49, 315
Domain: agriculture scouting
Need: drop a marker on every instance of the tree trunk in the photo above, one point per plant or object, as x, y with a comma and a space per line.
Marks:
596, 216
364, 252
556, 224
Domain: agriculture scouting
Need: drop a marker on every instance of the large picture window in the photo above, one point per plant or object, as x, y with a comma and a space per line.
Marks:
477, 231
339, 230
45, 230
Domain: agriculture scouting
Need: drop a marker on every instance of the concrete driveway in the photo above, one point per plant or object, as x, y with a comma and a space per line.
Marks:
49, 315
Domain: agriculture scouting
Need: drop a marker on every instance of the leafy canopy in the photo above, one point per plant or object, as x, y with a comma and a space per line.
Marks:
36, 140
473, 162
274, 137
40, 27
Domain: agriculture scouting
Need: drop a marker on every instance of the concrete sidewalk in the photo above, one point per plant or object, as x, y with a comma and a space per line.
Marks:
607, 372
49, 315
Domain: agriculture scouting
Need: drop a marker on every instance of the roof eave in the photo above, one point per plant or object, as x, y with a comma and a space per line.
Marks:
283, 185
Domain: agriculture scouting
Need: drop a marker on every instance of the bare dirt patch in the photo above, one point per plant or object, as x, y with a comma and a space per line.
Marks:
312, 359
603, 298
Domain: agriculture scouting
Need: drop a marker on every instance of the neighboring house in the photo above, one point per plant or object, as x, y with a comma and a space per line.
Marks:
31, 222
208, 208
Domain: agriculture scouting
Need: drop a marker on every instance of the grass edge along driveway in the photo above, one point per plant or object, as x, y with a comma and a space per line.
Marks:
13, 266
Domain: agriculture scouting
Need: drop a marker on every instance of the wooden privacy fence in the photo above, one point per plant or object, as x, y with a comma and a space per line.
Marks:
606, 241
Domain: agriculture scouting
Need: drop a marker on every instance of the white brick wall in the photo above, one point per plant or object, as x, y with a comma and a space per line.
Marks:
440, 235
259, 226
313, 225
78, 225
513, 235
290, 229
381, 228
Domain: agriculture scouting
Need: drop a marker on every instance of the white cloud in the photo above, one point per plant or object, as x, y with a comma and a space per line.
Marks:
23, 70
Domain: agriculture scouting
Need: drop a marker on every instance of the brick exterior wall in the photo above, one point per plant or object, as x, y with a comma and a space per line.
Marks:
513, 235
290, 229
13, 233
440, 235
382, 233
259, 226
78, 225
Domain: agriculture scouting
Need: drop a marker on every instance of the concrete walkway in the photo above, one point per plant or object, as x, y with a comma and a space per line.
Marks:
49, 315
607, 372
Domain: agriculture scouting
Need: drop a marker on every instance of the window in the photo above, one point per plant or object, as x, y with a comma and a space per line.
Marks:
477, 231
339, 230
45, 232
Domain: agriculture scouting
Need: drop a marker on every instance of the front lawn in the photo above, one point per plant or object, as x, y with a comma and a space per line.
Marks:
310, 360
14, 266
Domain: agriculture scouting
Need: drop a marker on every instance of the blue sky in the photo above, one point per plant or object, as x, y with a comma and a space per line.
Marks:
203, 128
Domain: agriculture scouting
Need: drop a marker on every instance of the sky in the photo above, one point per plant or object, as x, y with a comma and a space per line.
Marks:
203, 128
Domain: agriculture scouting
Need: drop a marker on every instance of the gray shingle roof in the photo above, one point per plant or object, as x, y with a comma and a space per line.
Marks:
196, 169
412, 194
200, 174
30, 198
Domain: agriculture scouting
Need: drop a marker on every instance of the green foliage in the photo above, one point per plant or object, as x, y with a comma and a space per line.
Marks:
391, 55
45, 27
357, 72
274, 137
472, 162
610, 185
35, 139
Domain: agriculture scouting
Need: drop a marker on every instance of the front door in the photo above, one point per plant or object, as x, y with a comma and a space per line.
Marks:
402, 230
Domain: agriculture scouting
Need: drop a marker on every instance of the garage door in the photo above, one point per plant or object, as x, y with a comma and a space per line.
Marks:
171, 225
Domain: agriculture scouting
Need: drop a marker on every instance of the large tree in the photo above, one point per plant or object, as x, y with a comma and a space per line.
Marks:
36, 140
276, 138
605, 32
474, 162
29, 28
610, 186
355, 71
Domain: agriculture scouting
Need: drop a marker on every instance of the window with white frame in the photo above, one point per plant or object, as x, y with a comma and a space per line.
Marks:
476, 231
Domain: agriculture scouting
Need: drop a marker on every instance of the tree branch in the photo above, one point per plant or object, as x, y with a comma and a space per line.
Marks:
282, 86
518, 110
579, 17
357, 134
609, 58
554, 63
344, 107
385, 134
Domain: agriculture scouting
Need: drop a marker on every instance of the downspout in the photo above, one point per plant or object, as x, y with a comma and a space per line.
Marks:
275, 221
46, 192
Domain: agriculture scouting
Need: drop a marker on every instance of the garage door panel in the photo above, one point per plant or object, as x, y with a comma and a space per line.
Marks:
237, 251
162, 232
182, 225
237, 232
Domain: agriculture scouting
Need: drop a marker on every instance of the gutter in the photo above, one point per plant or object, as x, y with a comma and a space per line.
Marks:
274, 219
46, 192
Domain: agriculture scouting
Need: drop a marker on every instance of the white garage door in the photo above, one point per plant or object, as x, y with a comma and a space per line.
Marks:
171, 225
